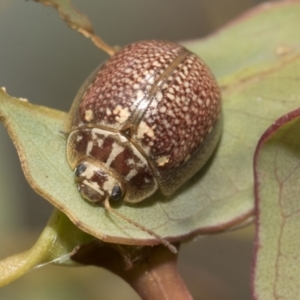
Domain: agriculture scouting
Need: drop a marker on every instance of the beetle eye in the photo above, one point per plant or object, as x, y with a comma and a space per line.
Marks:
116, 193
80, 169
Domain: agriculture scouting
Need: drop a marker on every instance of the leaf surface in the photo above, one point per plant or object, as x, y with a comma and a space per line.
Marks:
257, 68
277, 177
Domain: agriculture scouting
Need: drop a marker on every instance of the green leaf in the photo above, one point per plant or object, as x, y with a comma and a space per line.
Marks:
35, 132
55, 245
257, 63
277, 176
256, 67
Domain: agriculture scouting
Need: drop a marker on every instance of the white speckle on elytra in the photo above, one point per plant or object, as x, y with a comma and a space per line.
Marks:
153, 104
170, 96
161, 161
200, 101
178, 79
144, 129
140, 95
88, 115
185, 70
150, 78
122, 113
159, 96
163, 109
182, 75
156, 64
108, 111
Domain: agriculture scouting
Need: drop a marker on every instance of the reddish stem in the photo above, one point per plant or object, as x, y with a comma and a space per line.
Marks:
151, 271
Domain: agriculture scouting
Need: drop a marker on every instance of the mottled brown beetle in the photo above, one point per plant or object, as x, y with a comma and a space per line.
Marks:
146, 120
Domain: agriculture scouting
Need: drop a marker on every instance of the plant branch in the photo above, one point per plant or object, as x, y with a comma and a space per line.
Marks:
151, 271
54, 245
78, 21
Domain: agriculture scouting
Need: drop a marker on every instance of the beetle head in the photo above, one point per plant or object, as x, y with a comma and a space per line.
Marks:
96, 184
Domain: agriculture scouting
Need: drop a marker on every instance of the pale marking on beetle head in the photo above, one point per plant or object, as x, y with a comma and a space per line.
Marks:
95, 137
130, 161
141, 164
115, 151
93, 185
94, 133
89, 171
88, 115
122, 138
131, 174
109, 184
89, 147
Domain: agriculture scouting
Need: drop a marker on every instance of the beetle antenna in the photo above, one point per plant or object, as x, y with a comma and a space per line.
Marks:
162, 240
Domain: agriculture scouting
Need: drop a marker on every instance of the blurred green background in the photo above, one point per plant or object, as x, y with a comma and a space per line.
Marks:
43, 60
